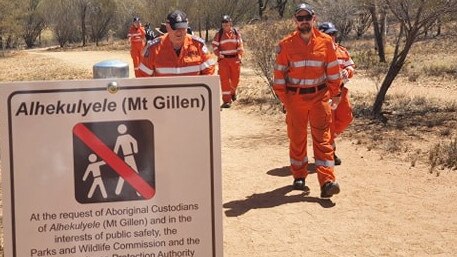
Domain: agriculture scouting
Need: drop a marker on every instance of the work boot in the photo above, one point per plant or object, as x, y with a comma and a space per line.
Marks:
233, 97
299, 184
329, 189
336, 159
225, 105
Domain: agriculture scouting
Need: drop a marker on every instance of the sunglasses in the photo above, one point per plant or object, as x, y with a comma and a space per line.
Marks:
304, 18
225, 21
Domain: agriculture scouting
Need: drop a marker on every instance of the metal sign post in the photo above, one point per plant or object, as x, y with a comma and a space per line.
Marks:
110, 69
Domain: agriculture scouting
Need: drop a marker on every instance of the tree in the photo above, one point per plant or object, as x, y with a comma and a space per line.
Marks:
60, 19
378, 16
33, 22
9, 27
415, 17
339, 12
100, 15
362, 22
82, 7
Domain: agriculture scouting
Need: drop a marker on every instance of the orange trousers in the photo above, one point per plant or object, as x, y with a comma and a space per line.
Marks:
341, 116
229, 72
315, 110
135, 52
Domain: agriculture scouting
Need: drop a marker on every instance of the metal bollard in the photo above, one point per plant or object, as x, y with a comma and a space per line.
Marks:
111, 69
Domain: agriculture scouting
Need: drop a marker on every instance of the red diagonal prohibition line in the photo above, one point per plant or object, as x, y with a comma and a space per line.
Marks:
116, 163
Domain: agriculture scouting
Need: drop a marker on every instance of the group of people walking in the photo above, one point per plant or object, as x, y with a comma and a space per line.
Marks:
176, 47
310, 74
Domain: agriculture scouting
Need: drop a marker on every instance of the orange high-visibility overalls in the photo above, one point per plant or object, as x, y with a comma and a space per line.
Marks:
229, 45
305, 77
137, 41
342, 115
161, 59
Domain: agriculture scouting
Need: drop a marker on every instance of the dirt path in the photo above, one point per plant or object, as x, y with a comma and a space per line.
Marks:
386, 208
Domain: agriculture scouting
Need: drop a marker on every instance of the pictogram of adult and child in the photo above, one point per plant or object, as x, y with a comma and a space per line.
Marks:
126, 144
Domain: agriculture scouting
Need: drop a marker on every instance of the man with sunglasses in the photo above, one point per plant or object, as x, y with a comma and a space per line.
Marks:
228, 47
176, 53
306, 77
342, 115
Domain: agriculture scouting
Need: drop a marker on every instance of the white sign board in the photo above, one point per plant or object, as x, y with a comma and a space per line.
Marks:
132, 173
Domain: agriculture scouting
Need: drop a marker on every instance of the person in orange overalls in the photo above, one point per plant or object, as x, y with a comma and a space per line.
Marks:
306, 77
342, 115
176, 53
228, 47
137, 36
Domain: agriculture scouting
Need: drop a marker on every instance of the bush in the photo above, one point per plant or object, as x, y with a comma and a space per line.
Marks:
262, 38
444, 155
441, 70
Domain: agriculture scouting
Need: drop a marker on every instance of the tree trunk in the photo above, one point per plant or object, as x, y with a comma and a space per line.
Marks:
262, 7
379, 36
281, 7
395, 67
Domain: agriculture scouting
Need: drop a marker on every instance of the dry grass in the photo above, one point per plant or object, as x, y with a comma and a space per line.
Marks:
22, 66
414, 126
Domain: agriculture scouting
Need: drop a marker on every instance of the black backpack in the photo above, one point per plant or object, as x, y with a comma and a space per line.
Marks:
149, 32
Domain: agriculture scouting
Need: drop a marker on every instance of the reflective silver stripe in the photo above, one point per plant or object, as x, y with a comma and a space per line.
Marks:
341, 61
349, 62
207, 64
280, 67
145, 69
324, 163
188, 69
226, 93
307, 82
229, 52
334, 77
307, 63
179, 70
215, 43
299, 163
279, 81
229, 41
332, 64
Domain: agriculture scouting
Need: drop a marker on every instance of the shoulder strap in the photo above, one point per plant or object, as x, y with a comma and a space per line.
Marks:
220, 35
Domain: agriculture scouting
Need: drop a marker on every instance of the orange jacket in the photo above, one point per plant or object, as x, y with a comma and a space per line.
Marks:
137, 36
228, 43
306, 65
344, 59
160, 59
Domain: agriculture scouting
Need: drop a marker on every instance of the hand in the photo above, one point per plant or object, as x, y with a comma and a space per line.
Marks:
344, 74
334, 102
221, 56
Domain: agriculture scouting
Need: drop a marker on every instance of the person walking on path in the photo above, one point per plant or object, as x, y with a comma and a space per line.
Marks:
342, 115
137, 37
228, 47
306, 77
176, 53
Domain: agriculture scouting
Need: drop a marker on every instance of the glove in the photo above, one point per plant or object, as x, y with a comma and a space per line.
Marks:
345, 75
